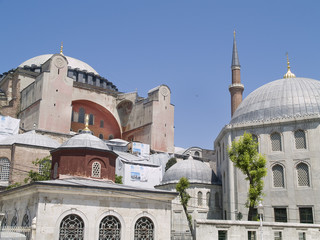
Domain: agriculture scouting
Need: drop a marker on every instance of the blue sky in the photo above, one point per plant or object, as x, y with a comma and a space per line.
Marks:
187, 45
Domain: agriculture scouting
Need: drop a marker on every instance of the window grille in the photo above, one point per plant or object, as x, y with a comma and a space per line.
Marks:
110, 228
278, 178
25, 221
222, 235
71, 228
300, 139
280, 215
55, 170
252, 235
208, 199
96, 170
306, 215
303, 175
4, 222
199, 198
5, 169
276, 142
277, 235
81, 115
14, 221
42, 165
144, 229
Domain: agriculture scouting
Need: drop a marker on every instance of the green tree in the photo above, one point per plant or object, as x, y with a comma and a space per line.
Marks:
172, 161
245, 156
118, 179
181, 188
45, 164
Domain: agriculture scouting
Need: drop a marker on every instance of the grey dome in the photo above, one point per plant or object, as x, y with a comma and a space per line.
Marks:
72, 62
30, 138
85, 140
282, 98
195, 171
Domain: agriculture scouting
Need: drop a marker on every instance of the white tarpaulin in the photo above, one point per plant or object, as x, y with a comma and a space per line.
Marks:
141, 148
8, 126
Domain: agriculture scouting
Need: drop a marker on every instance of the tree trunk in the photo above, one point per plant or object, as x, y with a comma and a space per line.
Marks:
250, 214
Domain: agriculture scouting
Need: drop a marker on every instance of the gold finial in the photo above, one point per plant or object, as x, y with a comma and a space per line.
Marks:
234, 33
86, 124
61, 48
289, 74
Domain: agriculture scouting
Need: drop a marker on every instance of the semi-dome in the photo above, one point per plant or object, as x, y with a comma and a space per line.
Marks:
72, 63
283, 98
85, 140
30, 138
195, 171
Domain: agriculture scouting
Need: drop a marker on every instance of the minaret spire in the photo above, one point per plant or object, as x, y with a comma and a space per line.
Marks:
236, 88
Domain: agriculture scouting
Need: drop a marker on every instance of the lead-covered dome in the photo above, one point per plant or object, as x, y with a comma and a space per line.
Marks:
85, 140
72, 63
283, 98
195, 171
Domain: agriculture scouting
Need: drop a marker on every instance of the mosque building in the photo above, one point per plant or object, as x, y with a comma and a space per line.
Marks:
284, 117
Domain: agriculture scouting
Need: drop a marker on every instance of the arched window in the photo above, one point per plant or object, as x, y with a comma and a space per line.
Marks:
303, 175
276, 141
278, 176
101, 123
81, 115
144, 229
4, 169
223, 151
101, 136
300, 139
26, 221
96, 170
71, 227
196, 154
55, 170
208, 199
112, 137
199, 198
14, 221
4, 222
110, 228
91, 119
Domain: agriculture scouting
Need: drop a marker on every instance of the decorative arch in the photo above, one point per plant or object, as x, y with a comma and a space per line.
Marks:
72, 211
300, 139
98, 114
303, 174
278, 175
115, 214
200, 198
124, 109
152, 218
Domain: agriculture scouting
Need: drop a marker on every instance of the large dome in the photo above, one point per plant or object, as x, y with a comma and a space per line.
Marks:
72, 62
283, 98
196, 172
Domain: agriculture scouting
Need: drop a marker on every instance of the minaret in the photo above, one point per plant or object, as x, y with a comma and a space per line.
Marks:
236, 88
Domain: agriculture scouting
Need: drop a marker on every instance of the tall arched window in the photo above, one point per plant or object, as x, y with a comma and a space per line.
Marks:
110, 228
278, 176
71, 227
144, 229
26, 221
96, 170
300, 139
276, 142
208, 197
81, 115
14, 221
4, 169
199, 198
303, 175
91, 119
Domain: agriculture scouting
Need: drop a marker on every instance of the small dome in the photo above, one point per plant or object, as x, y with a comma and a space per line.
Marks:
30, 138
282, 98
195, 171
72, 62
85, 140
